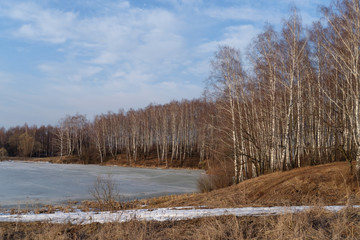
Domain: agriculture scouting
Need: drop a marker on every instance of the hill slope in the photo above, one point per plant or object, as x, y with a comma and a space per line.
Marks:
323, 184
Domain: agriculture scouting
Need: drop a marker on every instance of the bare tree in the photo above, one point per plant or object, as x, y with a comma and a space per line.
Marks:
227, 83
340, 40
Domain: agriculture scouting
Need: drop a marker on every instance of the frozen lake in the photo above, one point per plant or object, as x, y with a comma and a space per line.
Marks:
32, 184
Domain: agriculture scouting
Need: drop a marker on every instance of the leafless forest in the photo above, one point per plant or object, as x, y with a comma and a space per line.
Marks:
295, 102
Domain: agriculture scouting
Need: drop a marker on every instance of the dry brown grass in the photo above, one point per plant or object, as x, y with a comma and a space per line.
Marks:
324, 184
313, 224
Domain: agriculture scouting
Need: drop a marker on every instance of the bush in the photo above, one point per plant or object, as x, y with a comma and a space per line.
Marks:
106, 194
204, 184
219, 175
209, 182
3, 153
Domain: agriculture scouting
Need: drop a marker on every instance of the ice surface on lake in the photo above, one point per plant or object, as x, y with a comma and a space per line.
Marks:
32, 184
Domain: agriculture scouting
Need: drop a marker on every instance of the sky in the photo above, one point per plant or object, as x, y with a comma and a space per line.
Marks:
63, 57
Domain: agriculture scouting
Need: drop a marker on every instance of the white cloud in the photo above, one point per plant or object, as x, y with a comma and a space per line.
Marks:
124, 4
243, 13
132, 31
137, 42
169, 85
60, 73
235, 36
200, 68
105, 58
184, 4
6, 78
45, 25
83, 73
261, 12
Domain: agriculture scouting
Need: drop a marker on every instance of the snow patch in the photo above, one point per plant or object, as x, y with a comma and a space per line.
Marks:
157, 214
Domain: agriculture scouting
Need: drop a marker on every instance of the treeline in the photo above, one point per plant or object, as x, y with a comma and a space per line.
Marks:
298, 103
27, 141
171, 133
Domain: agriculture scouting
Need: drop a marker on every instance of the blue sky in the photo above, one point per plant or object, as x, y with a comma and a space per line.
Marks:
62, 57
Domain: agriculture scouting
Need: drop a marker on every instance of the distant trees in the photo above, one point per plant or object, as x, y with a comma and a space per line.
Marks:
26, 144
3, 151
175, 134
44, 136
167, 132
73, 131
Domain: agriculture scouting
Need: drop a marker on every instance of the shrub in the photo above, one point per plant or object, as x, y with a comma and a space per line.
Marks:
3, 153
106, 194
204, 184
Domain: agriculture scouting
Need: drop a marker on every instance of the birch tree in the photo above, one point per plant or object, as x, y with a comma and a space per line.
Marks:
341, 41
293, 46
266, 63
227, 80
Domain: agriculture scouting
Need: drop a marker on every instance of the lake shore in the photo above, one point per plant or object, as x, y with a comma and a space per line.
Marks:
149, 163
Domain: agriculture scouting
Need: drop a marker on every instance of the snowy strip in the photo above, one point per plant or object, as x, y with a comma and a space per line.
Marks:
158, 214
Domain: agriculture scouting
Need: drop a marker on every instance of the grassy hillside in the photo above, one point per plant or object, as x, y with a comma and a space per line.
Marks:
323, 184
